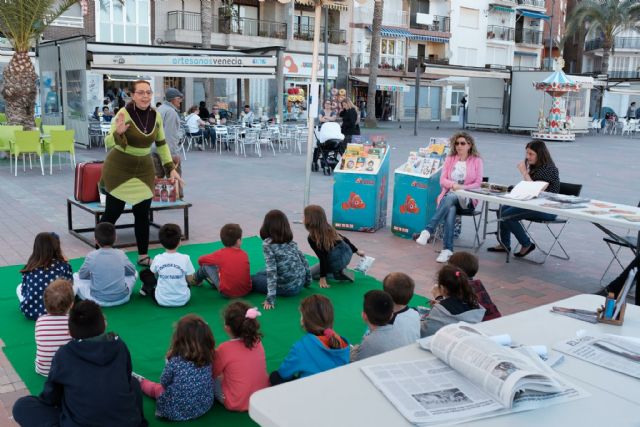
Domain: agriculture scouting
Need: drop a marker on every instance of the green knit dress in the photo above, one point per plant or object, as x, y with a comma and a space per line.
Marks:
128, 172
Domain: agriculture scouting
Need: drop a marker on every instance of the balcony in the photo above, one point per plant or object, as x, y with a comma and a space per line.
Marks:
532, 3
178, 20
387, 66
495, 32
412, 62
619, 43
527, 36
305, 32
392, 18
440, 23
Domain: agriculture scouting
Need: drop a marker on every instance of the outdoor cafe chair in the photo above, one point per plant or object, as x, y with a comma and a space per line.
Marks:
46, 131
3, 118
250, 138
222, 137
60, 141
628, 126
95, 133
630, 242
567, 190
26, 142
6, 136
265, 137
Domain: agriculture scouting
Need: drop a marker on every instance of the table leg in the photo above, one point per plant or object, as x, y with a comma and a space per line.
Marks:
186, 222
69, 216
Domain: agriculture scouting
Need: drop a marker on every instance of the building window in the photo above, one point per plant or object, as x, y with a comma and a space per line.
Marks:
127, 22
469, 18
392, 53
71, 17
418, 6
467, 56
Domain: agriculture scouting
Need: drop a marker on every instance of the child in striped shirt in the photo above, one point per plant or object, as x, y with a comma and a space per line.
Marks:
52, 329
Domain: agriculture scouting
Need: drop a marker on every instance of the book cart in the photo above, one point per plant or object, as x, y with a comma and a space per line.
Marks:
416, 188
360, 186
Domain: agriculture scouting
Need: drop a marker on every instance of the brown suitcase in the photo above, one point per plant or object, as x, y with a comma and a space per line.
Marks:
85, 187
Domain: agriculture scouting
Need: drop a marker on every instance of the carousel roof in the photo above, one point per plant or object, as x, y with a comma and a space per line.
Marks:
557, 82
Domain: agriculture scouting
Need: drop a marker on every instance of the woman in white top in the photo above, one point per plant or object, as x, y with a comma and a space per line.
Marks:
196, 127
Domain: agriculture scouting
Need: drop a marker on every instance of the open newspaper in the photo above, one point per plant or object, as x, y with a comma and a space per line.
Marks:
468, 377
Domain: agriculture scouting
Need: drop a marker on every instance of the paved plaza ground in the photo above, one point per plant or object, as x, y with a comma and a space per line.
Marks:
225, 188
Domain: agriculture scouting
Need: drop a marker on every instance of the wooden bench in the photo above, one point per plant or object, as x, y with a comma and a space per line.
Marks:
97, 210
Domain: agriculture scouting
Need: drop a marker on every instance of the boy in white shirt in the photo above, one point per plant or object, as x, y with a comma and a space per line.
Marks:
173, 270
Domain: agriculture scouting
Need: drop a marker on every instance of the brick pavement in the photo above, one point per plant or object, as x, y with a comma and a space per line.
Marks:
225, 188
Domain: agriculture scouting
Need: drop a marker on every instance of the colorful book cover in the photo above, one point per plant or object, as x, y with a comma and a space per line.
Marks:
360, 163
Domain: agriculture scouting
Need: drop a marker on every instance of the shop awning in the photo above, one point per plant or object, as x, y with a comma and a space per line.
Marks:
453, 71
520, 53
388, 84
425, 38
397, 33
121, 59
502, 8
532, 14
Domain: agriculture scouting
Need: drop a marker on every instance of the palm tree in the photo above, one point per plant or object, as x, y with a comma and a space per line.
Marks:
374, 59
206, 28
607, 18
23, 22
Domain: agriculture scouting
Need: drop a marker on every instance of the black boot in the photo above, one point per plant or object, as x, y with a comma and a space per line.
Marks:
314, 167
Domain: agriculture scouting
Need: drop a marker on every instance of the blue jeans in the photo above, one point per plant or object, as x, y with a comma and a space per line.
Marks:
259, 285
446, 212
513, 225
339, 258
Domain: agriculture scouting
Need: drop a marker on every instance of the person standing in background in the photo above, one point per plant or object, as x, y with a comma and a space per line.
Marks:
169, 110
463, 103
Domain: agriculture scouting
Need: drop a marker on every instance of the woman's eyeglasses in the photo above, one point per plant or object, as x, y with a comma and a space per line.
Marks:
143, 92
460, 143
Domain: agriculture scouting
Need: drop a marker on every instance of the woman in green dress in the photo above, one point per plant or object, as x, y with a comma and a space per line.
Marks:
128, 171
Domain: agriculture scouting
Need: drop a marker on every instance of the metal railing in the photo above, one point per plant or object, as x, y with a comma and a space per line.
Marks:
619, 43
394, 18
412, 62
535, 3
500, 33
178, 20
525, 35
361, 60
305, 32
440, 23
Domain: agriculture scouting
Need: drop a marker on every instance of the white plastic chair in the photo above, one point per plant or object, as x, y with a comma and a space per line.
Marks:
265, 138
595, 126
222, 136
250, 138
628, 126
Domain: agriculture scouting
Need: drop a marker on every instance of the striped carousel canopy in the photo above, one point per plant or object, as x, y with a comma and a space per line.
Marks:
557, 82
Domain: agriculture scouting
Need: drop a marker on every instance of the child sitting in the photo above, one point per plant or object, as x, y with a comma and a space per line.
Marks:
52, 329
405, 320
240, 368
173, 270
106, 276
454, 301
287, 269
320, 349
332, 249
228, 268
185, 390
46, 264
89, 383
468, 263
383, 337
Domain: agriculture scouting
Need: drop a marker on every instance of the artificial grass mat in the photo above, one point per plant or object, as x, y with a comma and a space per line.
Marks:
147, 328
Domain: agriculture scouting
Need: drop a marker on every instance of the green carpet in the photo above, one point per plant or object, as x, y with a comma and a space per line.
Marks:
147, 328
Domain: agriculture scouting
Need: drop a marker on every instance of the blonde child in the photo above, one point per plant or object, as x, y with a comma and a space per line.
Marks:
287, 269
240, 368
185, 390
46, 264
52, 329
320, 349
332, 249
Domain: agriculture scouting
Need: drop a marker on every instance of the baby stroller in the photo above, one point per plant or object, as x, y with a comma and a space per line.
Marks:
329, 138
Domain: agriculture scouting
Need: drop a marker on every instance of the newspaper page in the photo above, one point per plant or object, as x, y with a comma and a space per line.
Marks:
610, 351
468, 377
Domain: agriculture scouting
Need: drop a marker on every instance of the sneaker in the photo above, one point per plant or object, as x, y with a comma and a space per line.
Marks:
444, 256
423, 238
139, 377
345, 276
195, 282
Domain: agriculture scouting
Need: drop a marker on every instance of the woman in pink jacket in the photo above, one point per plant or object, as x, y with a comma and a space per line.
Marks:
462, 170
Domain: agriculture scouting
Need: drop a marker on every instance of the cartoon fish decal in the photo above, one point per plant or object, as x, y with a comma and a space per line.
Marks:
409, 206
354, 202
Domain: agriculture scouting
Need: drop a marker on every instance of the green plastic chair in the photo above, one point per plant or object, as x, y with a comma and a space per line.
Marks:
6, 136
26, 141
3, 118
38, 121
46, 131
60, 141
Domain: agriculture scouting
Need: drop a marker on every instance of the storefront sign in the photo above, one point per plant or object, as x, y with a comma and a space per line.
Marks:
296, 64
184, 60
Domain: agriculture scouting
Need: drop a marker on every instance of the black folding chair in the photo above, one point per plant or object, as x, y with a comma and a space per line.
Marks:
616, 244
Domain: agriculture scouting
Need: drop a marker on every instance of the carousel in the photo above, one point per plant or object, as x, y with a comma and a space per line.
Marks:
557, 126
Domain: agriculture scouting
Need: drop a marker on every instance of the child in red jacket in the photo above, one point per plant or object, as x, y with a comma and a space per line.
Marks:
226, 269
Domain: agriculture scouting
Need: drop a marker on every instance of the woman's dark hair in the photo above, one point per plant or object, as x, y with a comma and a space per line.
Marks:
542, 153
317, 318
276, 227
456, 283
134, 85
46, 249
320, 231
467, 261
193, 341
248, 330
